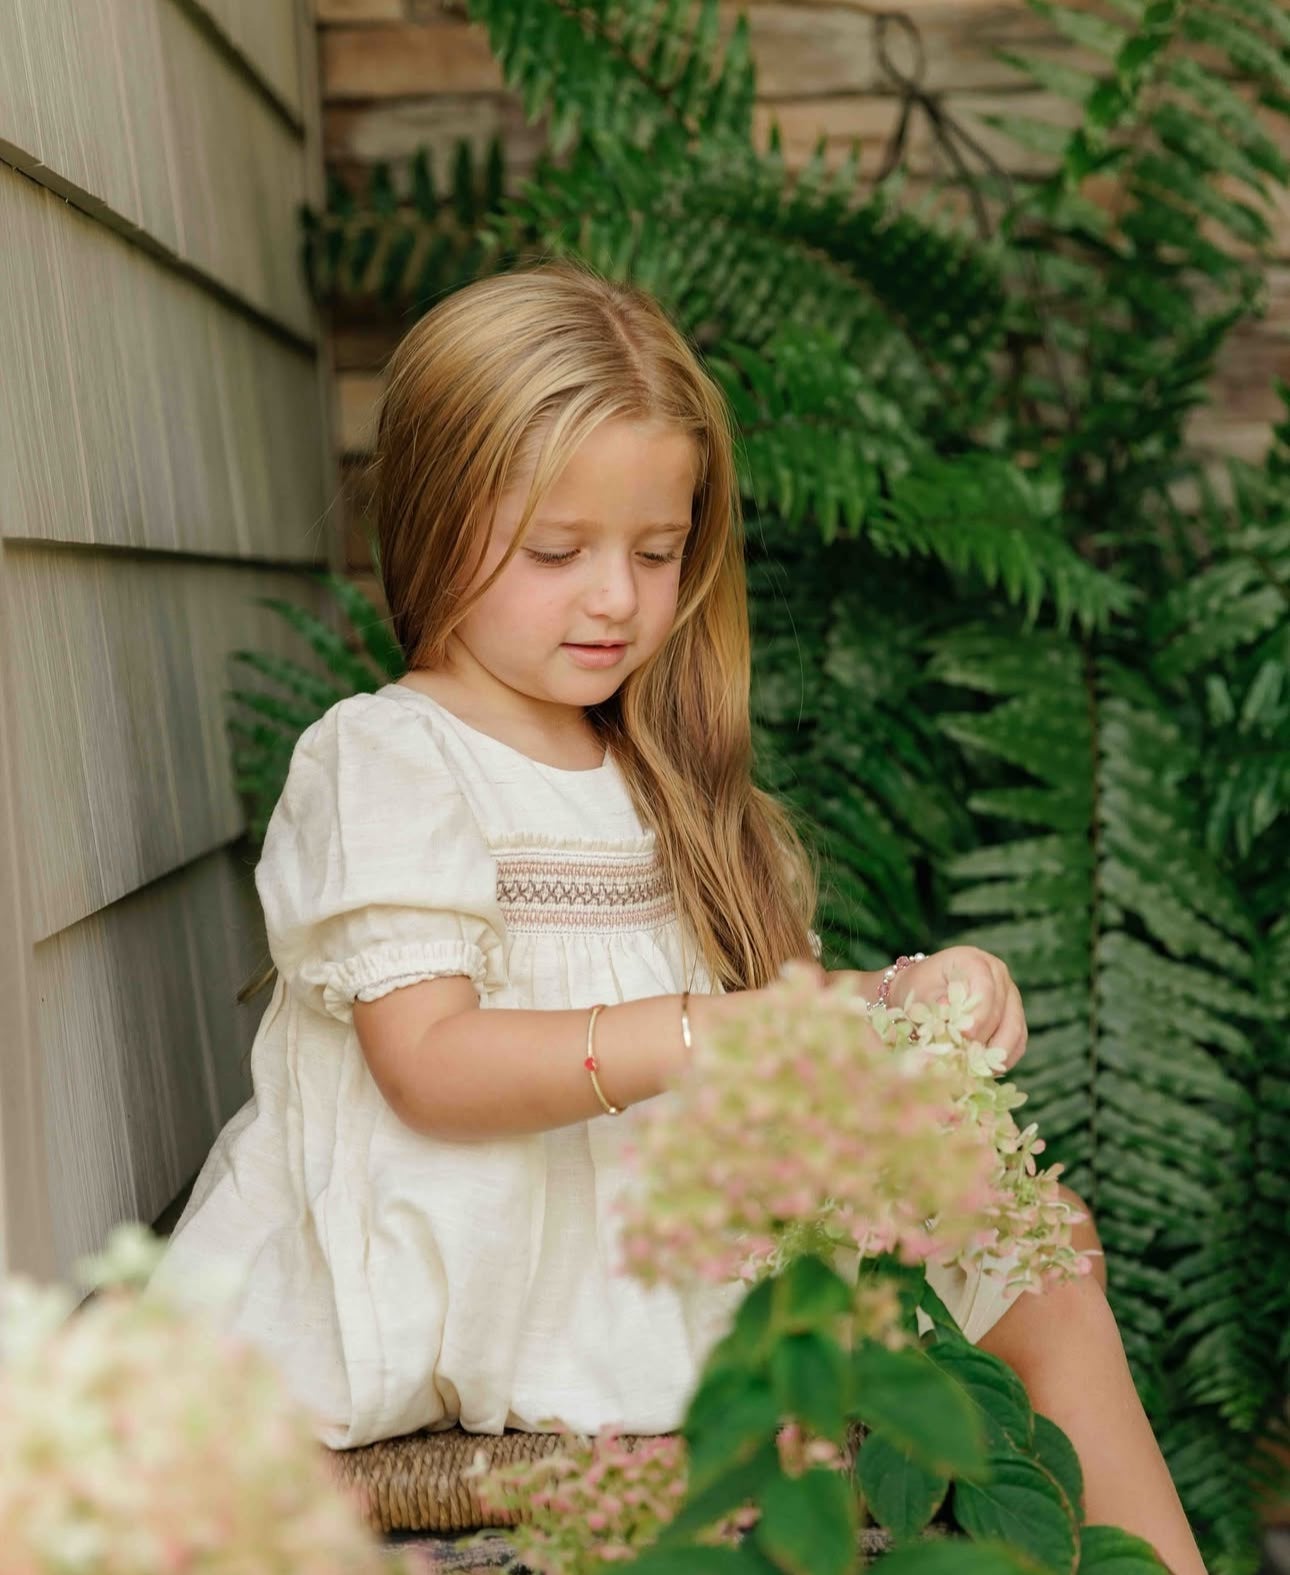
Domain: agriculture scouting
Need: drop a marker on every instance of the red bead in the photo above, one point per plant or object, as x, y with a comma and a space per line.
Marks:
590, 1064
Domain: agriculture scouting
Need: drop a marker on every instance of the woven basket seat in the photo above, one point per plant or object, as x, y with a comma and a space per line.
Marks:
415, 1483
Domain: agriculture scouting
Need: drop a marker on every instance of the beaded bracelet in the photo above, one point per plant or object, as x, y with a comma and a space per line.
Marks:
884, 984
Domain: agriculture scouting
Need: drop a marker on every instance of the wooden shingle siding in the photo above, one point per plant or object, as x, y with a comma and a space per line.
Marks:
141, 1044
121, 719
145, 411
266, 38
130, 112
165, 460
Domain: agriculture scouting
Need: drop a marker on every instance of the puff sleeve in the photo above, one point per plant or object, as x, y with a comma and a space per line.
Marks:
374, 873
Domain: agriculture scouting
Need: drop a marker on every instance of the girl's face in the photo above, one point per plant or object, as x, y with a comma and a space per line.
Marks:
601, 561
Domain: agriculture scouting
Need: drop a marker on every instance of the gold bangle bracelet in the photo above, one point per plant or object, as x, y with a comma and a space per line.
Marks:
685, 1022
593, 1066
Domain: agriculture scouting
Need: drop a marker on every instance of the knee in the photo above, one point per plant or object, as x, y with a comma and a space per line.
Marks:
1084, 1234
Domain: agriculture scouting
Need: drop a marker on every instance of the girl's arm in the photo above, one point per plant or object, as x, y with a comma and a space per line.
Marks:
452, 1071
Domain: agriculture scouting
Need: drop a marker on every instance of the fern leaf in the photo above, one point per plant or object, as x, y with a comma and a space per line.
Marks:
649, 73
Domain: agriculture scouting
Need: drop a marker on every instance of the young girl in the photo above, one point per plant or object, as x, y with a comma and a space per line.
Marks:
551, 811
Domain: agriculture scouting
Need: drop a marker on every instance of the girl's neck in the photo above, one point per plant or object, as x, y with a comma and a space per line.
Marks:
575, 749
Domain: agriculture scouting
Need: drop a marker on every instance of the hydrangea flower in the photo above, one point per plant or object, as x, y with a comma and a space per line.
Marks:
600, 1501
138, 1440
810, 1122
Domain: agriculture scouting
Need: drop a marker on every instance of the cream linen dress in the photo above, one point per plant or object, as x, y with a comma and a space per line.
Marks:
399, 1281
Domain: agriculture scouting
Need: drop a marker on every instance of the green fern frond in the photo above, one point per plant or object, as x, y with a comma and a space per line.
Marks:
1161, 284
815, 437
1241, 597
828, 679
648, 73
262, 743
730, 245
1227, 113
1154, 938
1085, 28
983, 515
1223, 636
403, 240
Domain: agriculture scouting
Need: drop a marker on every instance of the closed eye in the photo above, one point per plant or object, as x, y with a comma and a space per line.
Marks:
565, 557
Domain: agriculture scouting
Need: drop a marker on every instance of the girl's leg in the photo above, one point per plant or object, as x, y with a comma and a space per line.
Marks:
1065, 1347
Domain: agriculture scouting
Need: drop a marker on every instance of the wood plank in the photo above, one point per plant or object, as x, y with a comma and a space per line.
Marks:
330, 12
146, 413
409, 59
142, 1044
131, 114
367, 133
360, 526
803, 46
359, 396
122, 713
827, 49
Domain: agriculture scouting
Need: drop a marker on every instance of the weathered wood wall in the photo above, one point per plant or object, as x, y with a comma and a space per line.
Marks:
165, 458
400, 73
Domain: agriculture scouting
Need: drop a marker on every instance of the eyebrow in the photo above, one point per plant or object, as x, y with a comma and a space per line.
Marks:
666, 528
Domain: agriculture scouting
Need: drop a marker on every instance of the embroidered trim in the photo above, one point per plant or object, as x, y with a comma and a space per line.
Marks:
599, 892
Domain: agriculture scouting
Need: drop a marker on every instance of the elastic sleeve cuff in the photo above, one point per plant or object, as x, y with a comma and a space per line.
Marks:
371, 974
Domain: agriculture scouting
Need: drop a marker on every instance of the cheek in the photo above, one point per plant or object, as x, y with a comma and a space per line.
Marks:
668, 592
530, 596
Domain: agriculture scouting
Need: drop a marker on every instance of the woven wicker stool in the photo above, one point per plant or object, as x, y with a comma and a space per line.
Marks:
415, 1483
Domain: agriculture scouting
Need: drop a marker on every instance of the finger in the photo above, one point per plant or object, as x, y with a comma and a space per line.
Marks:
1012, 1032
1001, 993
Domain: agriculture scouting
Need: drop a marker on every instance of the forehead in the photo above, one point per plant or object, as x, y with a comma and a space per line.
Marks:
623, 472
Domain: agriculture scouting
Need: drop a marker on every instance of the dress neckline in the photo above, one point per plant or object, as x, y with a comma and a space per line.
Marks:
497, 743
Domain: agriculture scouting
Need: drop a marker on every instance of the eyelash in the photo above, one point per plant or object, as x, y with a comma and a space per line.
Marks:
565, 557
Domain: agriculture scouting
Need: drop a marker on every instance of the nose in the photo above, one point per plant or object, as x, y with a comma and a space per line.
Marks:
615, 595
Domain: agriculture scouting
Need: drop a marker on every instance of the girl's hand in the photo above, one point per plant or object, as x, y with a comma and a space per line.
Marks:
998, 1019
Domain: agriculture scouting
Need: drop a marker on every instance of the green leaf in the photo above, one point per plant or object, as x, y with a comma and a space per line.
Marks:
733, 1436
810, 1375
918, 1406
749, 1340
698, 1559
809, 1295
900, 1494
1022, 1505
957, 1556
1056, 1454
808, 1524
943, 1320
997, 1394
721, 1492
1106, 1550
723, 1381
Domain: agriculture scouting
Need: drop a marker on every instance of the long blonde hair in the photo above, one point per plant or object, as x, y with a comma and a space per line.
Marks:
512, 372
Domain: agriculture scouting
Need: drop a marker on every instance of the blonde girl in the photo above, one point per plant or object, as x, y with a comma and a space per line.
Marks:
550, 811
